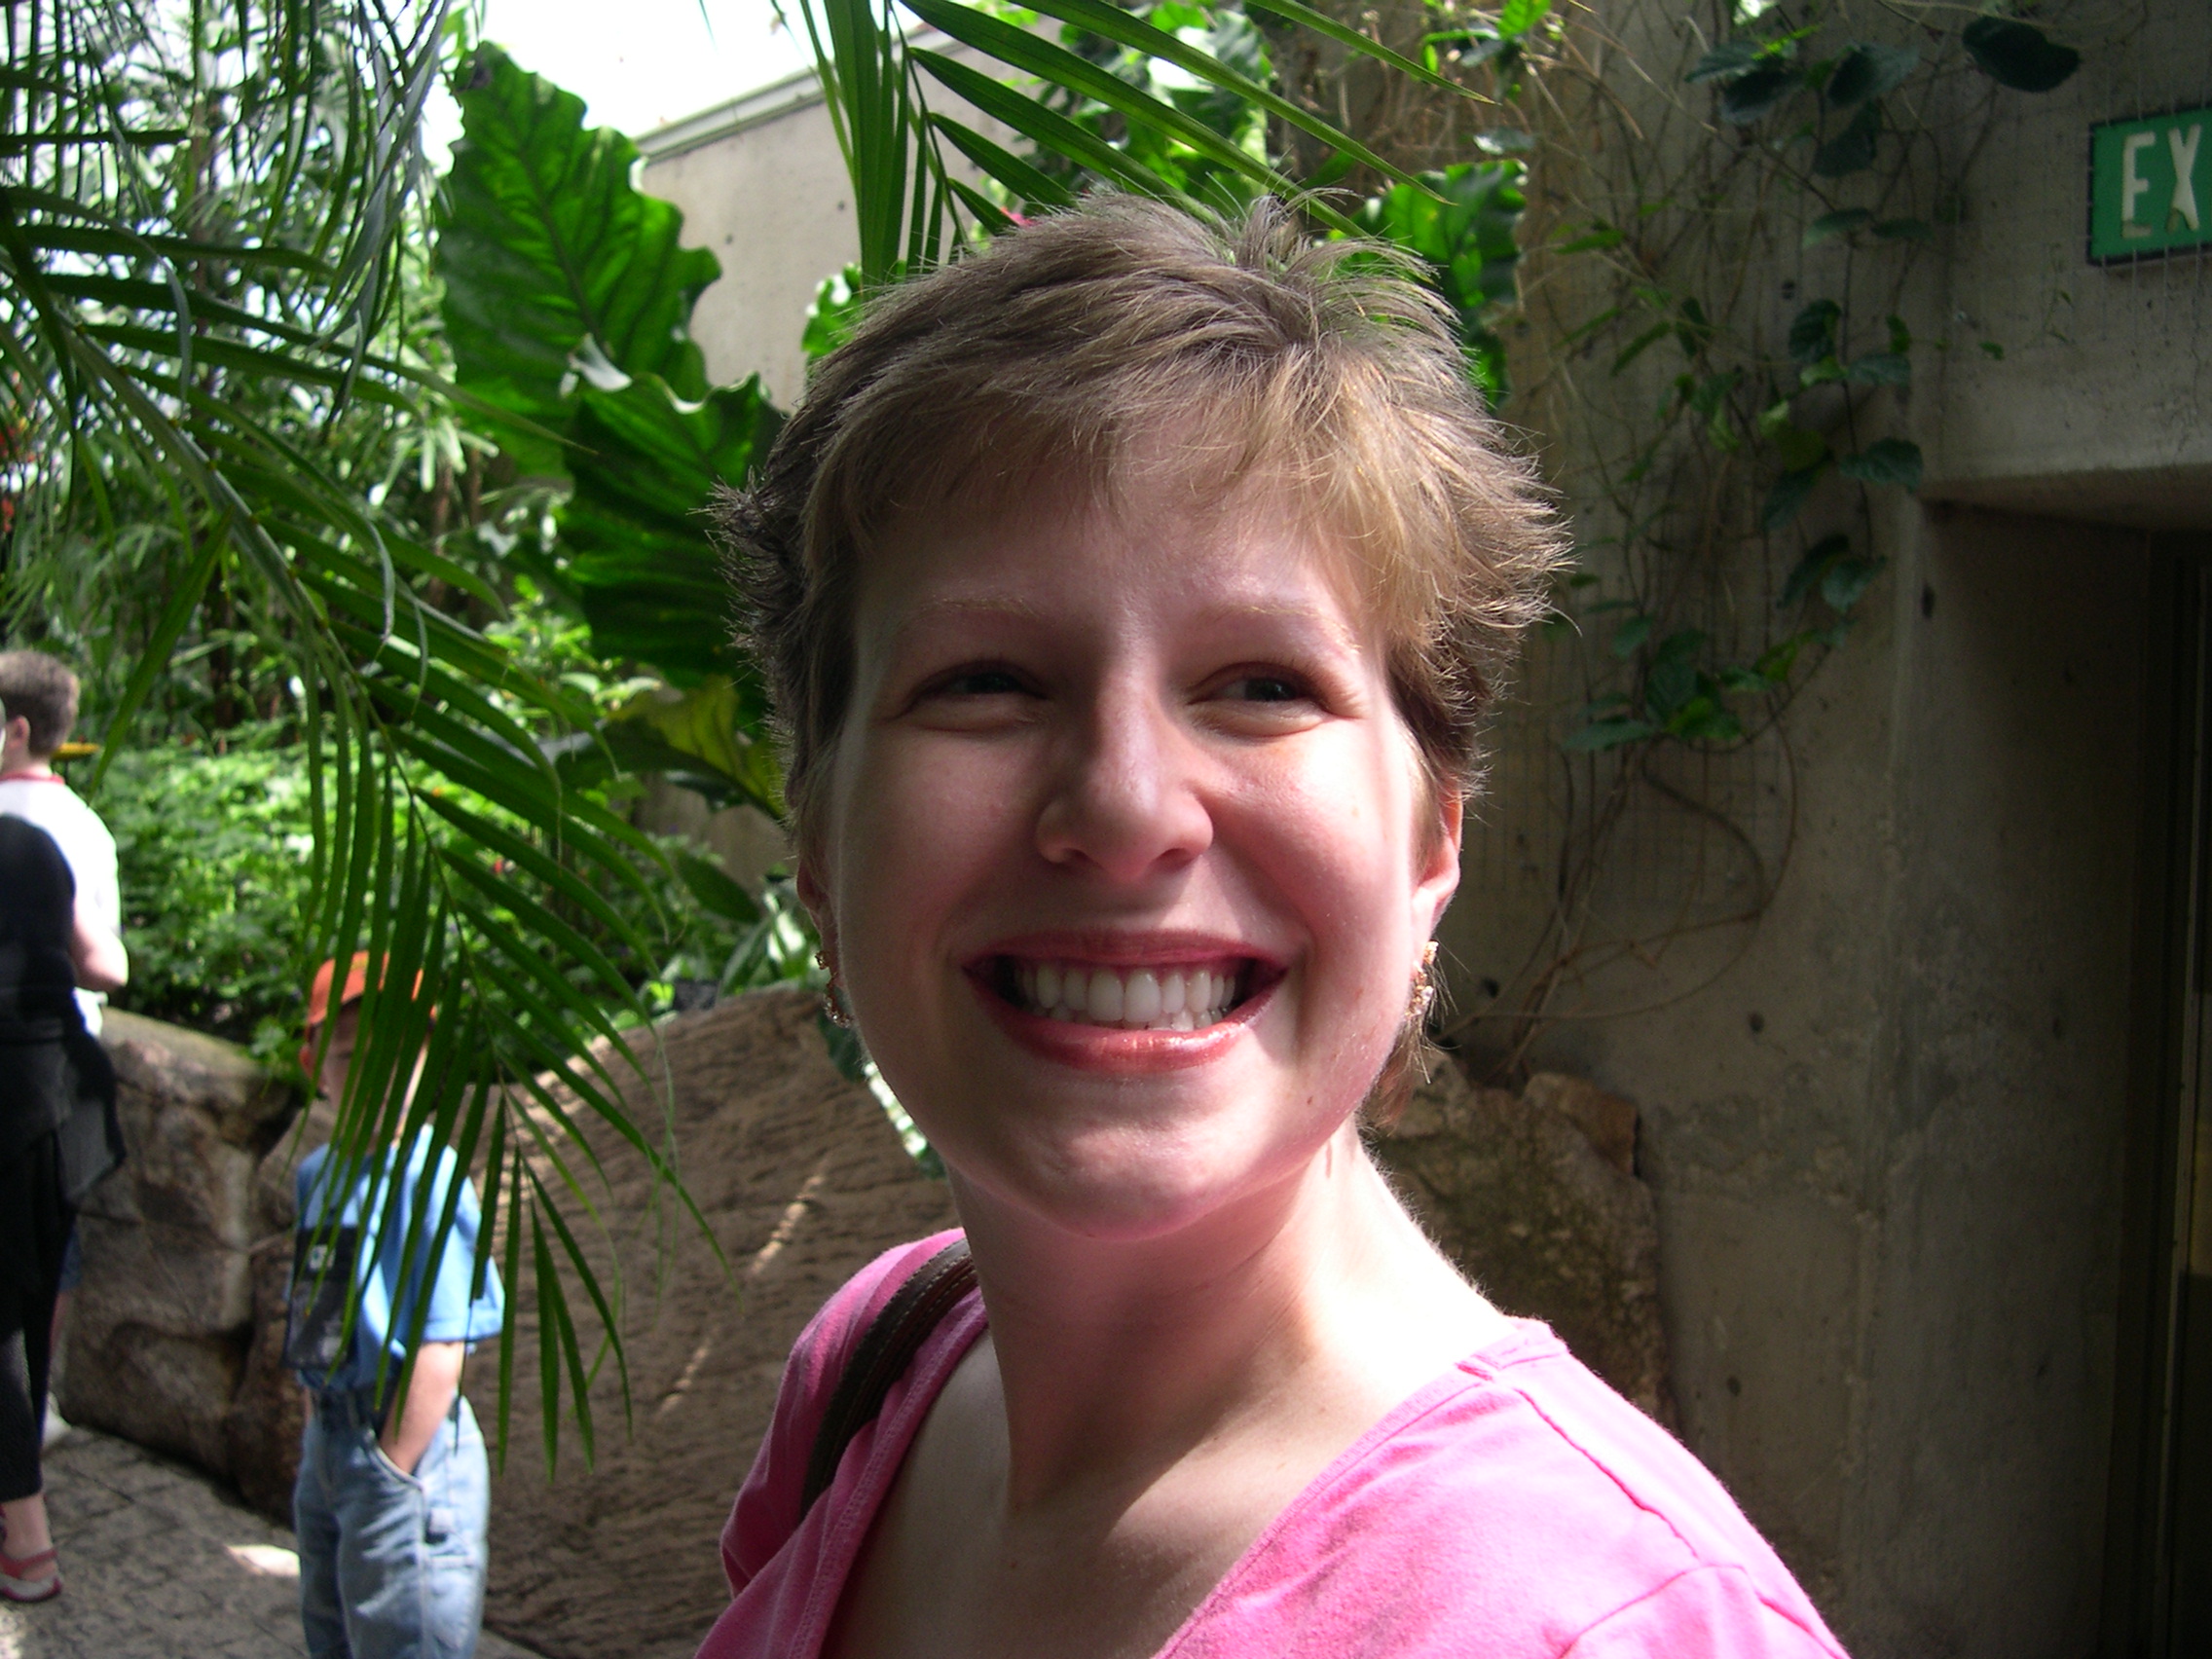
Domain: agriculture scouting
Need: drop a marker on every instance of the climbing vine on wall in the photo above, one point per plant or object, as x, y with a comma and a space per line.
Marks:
1729, 206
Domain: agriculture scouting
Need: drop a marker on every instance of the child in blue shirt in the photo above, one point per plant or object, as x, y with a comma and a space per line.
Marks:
393, 1497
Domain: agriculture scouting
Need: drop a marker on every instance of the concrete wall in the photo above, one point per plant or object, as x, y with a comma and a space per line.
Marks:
1889, 1215
1988, 1159
2097, 408
763, 184
1885, 1123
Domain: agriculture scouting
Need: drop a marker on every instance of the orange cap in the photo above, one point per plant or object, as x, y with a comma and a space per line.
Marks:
319, 993
318, 997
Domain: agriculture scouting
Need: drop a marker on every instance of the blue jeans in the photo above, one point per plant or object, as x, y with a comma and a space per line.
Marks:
391, 1565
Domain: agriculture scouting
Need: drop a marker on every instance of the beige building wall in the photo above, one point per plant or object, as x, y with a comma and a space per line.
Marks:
762, 185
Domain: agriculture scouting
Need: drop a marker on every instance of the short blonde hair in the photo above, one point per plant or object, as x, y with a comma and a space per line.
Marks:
1051, 355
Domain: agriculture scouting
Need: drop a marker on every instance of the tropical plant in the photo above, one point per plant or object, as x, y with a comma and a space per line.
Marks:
212, 362
1172, 101
214, 850
568, 305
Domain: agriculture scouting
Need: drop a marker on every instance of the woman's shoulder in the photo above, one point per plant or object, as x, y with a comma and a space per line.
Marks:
767, 1509
831, 1335
1519, 1506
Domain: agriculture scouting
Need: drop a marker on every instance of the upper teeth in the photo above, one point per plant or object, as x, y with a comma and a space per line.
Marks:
1138, 999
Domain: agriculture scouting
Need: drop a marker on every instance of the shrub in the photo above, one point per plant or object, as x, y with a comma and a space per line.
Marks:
214, 850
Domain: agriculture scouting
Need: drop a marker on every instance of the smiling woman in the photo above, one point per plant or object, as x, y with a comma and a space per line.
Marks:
1131, 592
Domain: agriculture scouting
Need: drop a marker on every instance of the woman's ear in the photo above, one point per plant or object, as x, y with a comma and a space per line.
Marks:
1437, 877
806, 881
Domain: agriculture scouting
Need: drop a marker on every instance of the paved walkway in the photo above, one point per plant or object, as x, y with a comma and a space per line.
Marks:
159, 1562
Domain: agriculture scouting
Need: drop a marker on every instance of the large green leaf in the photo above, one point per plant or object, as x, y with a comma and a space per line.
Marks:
211, 348
1867, 71
639, 562
710, 738
1115, 23
547, 251
1851, 150
1021, 48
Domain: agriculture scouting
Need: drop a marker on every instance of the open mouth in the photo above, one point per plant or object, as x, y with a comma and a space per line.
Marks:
1177, 997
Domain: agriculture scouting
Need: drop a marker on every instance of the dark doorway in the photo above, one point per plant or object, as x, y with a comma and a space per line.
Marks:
2158, 1553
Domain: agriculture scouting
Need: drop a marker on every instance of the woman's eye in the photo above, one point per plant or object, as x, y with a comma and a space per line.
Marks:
980, 682
1265, 689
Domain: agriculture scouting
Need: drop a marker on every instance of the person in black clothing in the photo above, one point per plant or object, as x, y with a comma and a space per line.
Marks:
49, 946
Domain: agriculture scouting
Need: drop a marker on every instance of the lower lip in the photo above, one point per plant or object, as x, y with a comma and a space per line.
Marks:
1108, 1049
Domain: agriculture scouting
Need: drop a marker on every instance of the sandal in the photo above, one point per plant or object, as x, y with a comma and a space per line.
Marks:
16, 1584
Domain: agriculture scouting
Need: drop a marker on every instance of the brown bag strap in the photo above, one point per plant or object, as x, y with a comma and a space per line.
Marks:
886, 1348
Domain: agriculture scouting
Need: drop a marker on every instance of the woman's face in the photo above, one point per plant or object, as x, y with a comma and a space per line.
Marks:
1126, 862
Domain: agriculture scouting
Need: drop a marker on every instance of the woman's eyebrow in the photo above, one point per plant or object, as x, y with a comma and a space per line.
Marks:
957, 607
1224, 612
1324, 619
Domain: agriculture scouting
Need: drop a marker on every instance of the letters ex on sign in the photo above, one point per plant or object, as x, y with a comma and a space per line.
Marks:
2150, 186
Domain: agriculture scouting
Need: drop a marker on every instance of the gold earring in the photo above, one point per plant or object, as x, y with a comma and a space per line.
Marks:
832, 1001
1424, 987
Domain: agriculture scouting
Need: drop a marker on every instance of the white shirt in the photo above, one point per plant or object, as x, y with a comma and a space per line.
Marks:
53, 806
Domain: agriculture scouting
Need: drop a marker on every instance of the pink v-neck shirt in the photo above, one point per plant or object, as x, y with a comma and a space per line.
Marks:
1514, 1507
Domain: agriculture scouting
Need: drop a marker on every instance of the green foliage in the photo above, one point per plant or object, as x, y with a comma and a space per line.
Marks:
214, 850
1758, 90
1462, 227
1215, 148
1867, 71
1851, 150
638, 563
1886, 460
831, 319
1840, 223
2018, 55
1166, 98
235, 468
568, 305
556, 270
214, 847
1816, 119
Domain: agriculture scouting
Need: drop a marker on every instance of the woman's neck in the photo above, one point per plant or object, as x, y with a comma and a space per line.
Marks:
1318, 1299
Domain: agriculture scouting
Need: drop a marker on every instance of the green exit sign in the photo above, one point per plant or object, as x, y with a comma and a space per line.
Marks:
2150, 186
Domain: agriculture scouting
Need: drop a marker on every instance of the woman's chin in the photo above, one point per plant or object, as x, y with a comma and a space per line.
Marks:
1119, 1135
1132, 1183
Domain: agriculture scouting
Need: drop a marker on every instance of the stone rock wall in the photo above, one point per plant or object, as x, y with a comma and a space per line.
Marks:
160, 1328
802, 1181
1536, 1197
177, 1333
267, 1410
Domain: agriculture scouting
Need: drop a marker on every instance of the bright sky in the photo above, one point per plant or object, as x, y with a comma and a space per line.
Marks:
639, 63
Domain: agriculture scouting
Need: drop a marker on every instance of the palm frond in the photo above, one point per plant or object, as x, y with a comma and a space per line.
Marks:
206, 216
911, 207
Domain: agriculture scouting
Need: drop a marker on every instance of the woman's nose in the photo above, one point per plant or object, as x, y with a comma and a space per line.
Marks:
1124, 797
